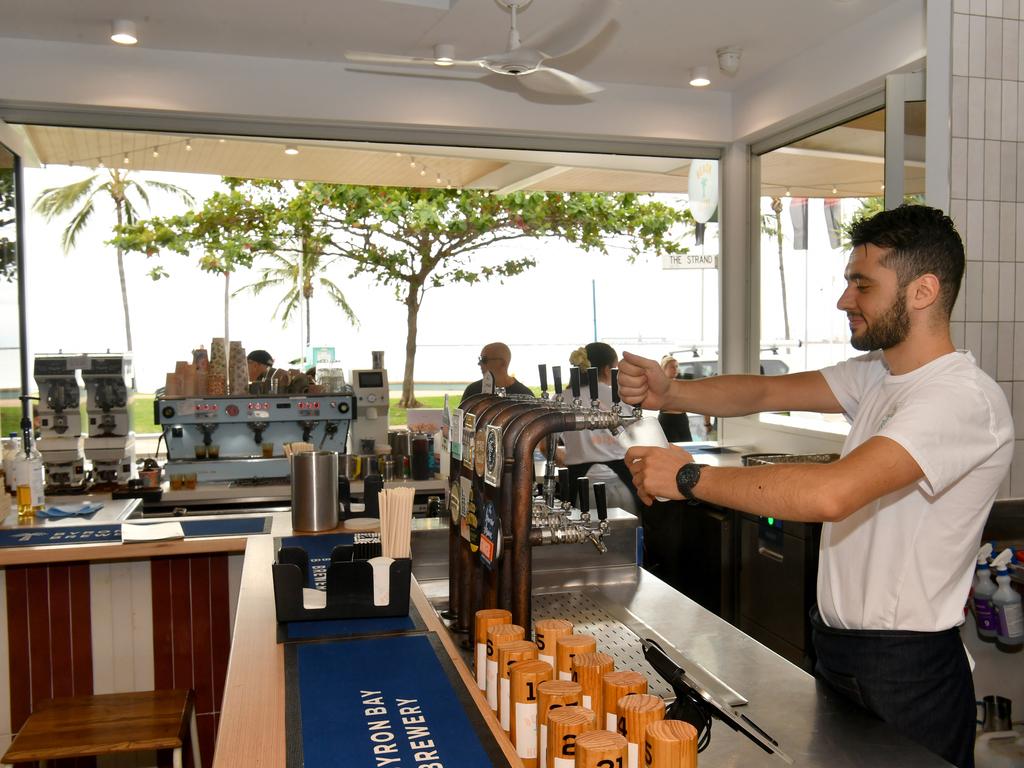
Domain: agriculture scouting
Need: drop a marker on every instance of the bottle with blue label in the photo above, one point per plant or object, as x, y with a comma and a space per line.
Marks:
984, 588
1006, 604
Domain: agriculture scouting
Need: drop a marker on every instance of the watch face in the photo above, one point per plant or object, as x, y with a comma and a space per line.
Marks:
687, 477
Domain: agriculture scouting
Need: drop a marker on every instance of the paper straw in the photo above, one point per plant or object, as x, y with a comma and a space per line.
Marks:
396, 521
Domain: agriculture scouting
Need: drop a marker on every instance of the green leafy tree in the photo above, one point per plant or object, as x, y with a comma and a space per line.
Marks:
412, 240
8, 220
251, 223
80, 199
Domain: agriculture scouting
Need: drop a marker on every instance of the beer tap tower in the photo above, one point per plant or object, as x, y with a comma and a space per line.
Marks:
60, 422
111, 442
496, 520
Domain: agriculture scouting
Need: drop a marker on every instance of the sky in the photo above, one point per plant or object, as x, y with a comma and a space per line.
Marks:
74, 304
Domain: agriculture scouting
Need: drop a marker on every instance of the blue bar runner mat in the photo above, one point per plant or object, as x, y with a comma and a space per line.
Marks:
319, 549
111, 534
388, 701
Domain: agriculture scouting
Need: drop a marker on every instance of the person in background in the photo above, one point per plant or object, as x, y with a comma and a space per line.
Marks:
931, 440
595, 453
494, 359
676, 424
265, 379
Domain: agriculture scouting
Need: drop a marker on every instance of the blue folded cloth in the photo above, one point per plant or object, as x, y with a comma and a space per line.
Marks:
81, 509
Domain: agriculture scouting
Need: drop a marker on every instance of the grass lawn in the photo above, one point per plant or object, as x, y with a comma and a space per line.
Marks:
142, 413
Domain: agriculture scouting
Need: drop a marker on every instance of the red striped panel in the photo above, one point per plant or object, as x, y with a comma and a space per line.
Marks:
18, 645
49, 635
220, 625
81, 628
192, 633
60, 631
39, 634
202, 660
163, 633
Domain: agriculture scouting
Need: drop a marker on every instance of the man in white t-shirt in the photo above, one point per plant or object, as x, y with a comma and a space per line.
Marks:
931, 440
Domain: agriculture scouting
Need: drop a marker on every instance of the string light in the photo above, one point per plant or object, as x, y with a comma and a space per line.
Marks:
156, 152
188, 145
126, 160
835, 191
423, 171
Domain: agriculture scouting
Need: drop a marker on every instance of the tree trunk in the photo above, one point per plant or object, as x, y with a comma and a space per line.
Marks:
412, 306
227, 306
777, 207
124, 291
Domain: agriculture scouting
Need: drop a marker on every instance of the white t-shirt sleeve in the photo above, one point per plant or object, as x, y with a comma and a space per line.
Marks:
948, 430
850, 379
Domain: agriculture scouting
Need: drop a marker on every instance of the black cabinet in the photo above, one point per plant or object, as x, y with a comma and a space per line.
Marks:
777, 584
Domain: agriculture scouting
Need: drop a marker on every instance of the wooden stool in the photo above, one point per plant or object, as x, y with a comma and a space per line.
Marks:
84, 726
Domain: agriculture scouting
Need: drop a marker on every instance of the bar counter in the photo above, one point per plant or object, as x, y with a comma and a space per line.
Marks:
811, 724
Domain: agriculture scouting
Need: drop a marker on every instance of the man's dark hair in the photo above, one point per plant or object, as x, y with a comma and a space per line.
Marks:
918, 240
601, 355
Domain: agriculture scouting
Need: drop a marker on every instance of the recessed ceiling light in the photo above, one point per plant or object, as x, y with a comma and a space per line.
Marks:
444, 54
699, 77
123, 32
291, 150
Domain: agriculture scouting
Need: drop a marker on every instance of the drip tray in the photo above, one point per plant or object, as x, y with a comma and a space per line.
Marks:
613, 637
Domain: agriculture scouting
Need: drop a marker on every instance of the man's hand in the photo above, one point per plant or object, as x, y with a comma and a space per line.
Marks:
654, 471
642, 382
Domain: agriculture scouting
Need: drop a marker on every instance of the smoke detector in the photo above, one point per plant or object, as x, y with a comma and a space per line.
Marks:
729, 60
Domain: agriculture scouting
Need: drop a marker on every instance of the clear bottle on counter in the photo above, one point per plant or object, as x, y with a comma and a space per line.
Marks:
10, 450
28, 475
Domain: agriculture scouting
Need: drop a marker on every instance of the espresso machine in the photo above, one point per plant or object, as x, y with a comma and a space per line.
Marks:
241, 439
60, 421
110, 445
372, 399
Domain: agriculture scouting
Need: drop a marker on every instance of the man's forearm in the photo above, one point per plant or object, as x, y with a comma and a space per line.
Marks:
802, 492
741, 395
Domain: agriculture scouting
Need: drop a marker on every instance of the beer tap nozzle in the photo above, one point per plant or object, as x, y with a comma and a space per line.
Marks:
574, 385
595, 403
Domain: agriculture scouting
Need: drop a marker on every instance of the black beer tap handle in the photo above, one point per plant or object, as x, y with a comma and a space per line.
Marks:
543, 370
563, 484
583, 491
615, 386
345, 496
592, 382
556, 375
601, 501
574, 382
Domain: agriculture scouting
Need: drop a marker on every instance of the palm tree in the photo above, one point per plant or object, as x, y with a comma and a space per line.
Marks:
299, 271
82, 196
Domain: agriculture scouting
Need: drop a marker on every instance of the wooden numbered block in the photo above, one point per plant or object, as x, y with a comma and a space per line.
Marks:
526, 677
564, 725
551, 695
509, 654
566, 648
546, 633
636, 712
670, 744
600, 749
588, 669
483, 621
497, 636
617, 685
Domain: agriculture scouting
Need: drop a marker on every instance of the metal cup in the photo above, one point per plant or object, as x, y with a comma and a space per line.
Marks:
314, 491
387, 468
997, 714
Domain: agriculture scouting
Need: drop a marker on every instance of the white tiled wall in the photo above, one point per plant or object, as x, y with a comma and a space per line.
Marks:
987, 195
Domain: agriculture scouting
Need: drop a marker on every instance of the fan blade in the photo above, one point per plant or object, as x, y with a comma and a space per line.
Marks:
574, 33
367, 57
551, 80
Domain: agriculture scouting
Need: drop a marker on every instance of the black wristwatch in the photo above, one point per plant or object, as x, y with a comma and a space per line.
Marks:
687, 477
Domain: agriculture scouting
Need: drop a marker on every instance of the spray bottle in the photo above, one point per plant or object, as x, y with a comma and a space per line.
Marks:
984, 588
1006, 604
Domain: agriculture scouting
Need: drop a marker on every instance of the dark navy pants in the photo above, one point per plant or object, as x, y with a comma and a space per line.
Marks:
918, 682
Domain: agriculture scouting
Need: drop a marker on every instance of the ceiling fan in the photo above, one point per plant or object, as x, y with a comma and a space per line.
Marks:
523, 60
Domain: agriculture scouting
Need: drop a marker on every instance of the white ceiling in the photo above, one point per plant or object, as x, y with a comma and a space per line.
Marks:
650, 42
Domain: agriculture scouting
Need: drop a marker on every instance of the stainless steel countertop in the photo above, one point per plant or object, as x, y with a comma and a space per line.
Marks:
813, 725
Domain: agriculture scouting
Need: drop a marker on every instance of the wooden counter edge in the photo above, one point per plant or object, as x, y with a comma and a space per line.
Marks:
70, 553
435, 624
251, 731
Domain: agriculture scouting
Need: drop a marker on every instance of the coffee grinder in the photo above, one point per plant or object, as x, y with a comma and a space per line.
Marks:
60, 422
110, 445
373, 398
